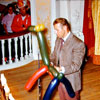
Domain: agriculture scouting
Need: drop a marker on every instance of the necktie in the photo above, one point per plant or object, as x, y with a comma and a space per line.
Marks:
62, 42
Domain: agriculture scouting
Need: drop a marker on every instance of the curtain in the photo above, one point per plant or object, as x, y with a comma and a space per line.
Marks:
88, 28
96, 20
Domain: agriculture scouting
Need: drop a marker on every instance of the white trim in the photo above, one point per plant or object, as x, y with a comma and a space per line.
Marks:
16, 64
33, 12
34, 22
82, 14
53, 17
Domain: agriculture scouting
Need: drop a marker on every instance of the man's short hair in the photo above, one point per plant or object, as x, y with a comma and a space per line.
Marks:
63, 21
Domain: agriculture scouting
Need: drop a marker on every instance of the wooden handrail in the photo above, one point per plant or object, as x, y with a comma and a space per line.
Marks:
13, 35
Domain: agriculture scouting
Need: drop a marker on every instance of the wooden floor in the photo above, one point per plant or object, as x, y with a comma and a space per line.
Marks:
17, 78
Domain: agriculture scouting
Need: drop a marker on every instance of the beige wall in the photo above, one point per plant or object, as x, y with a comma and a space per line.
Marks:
43, 14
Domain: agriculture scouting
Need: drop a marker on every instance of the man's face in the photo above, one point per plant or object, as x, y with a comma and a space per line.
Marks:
10, 10
23, 11
59, 30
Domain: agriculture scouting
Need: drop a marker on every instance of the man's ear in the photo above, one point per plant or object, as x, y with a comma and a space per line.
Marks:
65, 27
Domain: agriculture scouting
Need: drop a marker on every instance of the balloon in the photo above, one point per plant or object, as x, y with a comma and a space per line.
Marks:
37, 28
31, 29
53, 71
43, 49
53, 84
68, 86
50, 74
60, 76
54, 74
42, 27
35, 77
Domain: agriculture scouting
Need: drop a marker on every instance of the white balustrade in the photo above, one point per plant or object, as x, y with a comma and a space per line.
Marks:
19, 51
21, 47
26, 45
10, 50
30, 44
16, 50
2, 52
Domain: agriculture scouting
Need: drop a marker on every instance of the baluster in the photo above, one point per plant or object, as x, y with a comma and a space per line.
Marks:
30, 45
3, 51
16, 50
9, 49
26, 46
21, 47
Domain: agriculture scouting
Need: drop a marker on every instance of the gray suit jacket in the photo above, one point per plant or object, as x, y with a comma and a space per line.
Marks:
70, 57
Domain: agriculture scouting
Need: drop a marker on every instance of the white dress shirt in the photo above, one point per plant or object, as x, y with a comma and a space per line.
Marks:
7, 20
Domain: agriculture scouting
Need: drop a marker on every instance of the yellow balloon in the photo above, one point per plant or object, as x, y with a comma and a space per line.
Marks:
37, 28
42, 27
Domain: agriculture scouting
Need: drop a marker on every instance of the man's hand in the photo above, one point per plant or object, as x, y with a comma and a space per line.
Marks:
60, 69
24, 28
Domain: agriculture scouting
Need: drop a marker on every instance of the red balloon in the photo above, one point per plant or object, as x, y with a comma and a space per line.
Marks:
52, 77
35, 77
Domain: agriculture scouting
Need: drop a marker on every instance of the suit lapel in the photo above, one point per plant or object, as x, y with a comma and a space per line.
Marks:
68, 40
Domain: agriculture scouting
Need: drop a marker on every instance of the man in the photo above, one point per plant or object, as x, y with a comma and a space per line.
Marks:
68, 58
21, 21
7, 20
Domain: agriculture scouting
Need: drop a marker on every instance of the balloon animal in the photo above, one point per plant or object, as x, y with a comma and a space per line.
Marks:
47, 68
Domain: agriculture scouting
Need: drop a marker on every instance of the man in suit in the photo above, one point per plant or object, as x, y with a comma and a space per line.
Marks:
67, 58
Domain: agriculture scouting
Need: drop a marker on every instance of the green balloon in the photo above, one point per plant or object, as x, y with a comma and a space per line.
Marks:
31, 28
54, 72
44, 53
43, 49
60, 76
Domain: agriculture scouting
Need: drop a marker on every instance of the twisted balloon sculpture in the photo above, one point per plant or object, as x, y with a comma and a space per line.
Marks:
54, 74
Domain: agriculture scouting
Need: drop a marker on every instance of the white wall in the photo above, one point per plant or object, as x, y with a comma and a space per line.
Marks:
73, 11
6, 2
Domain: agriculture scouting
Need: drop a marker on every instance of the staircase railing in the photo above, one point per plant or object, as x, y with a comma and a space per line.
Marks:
15, 50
